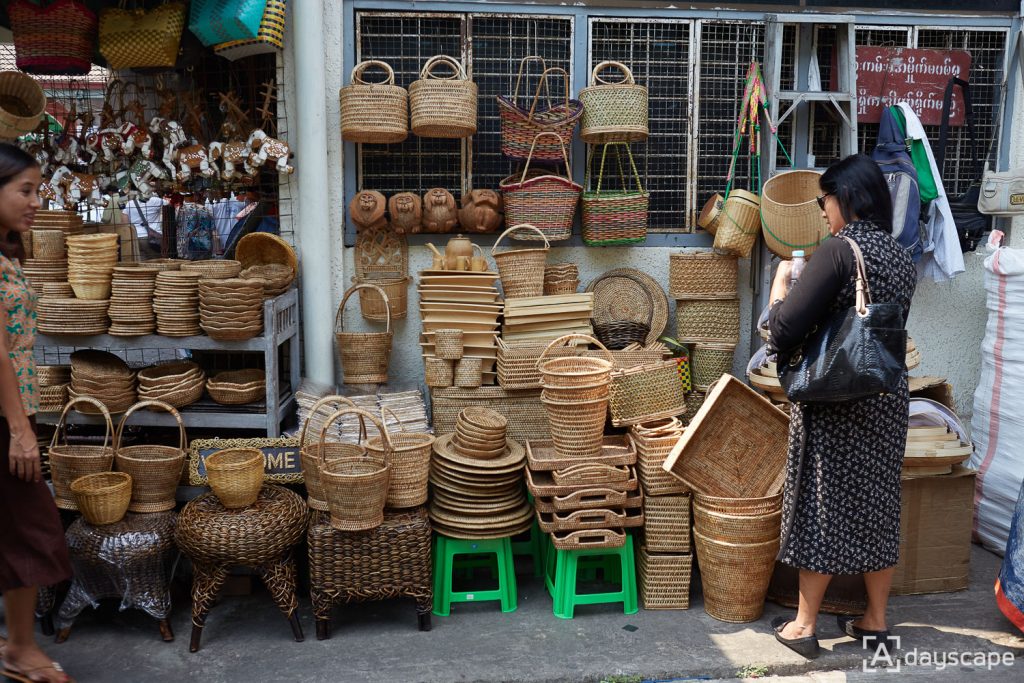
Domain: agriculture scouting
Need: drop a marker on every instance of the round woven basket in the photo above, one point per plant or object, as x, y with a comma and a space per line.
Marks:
68, 463
790, 217
448, 343
577, 427
439, 373
708, 320
739, 506
613, 111
364, 355
703, 275
410, 466
258, 248
22, 103
155, 470
237, 387
468, 372
735, 577
376, 113
521, 270
711, 213
235, 475
213, 269
356, 488
738, 223
737, 528
311, 455
618, 334
103, 497
443, 106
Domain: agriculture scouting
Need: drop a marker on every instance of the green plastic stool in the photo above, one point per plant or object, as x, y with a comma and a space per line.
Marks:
534, 546
445, 551
587, 568
564, 567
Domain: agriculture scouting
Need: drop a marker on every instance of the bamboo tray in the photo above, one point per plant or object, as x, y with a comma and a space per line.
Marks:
542, 483
590, 499
551, 522
615, 450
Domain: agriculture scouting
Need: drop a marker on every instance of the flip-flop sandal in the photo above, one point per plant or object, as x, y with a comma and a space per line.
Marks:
25, 676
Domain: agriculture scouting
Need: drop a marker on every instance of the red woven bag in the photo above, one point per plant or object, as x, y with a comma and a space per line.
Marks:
55, 39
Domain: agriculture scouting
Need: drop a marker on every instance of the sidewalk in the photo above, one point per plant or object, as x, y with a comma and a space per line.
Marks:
246, 639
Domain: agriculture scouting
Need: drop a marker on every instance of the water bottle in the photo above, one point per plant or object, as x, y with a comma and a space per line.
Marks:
798, 267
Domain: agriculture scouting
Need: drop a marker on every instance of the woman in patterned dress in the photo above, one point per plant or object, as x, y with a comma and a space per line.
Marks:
32, 548
841, 503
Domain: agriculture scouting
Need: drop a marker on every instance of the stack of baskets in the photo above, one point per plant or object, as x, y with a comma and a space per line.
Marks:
103, 377
70, 316
176, 303
53, 387
131, 301
276, 277
231, 309
91, 261
47, 260
237, 387
177, 383
561, 278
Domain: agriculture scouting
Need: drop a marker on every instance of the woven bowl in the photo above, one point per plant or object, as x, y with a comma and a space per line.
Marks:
103, 498
22, 104
235, 475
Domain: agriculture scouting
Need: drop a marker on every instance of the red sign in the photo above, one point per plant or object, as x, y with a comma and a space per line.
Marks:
890, 75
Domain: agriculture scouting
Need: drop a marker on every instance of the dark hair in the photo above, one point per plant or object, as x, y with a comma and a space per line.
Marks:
860, 188
13, 162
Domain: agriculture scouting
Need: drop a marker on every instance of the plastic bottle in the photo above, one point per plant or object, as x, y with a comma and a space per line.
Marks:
798, 267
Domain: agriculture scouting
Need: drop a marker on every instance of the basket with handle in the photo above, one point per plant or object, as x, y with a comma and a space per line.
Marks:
739, 223
547, 201
139, 38
520, 126
613, 111
68, 463
235, 475
443, 106
568, 372
364, 355
356, 487
102, 497
155, 470
646, 392
410, 464
269, 36
615, 217
521, 270
790, 217
53, 39
311, 455
374, 112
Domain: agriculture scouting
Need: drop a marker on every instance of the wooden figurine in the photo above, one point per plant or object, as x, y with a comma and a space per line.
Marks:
406, 210
481, 211
193, 158
366, 210
440, 213
265, 148
136, 138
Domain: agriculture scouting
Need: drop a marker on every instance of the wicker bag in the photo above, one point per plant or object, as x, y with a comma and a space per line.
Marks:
646, 392
311, 455
269, 38
68, 463
615, 216
102, 497
235, 475
356, 487
364, 355
139, 38
547, 202
55, 39
443, 106
739, 223
521, 270
22, 104
790, 217
155, 470
616, 111
520, 126
410, 465
218, 21
374, 112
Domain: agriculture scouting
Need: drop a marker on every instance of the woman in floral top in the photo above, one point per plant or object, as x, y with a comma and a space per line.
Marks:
32, 548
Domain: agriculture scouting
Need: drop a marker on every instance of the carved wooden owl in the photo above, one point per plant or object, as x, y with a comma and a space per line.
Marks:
440, 213
366, 210
406, 211
481, 211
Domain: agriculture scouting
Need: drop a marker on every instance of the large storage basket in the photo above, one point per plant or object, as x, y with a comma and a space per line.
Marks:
663, 581
521, 270
139, 38
613, 111
54, 39
739, 223
155, 470
311, 455
708, 320
735, 576
356, 487
547, 201
520, 126
646, 392
790, 217
374, 112
68, 463
667, 523
410, 466
703, 275
364, 355
443, 106
615, 217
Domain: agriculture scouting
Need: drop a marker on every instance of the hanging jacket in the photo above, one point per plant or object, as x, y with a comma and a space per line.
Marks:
893, 159
919, 155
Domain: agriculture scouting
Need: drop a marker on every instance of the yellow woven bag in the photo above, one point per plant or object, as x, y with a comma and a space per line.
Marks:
140, 38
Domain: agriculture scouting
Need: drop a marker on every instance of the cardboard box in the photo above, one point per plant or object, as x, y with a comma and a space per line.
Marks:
935, 533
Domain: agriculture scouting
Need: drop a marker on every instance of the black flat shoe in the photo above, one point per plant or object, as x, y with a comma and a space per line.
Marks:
845, 623
806, 646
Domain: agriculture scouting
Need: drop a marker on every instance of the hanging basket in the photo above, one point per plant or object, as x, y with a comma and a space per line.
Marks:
155, 470
547, 202
311, 455
68, 463
521, 126
364, 355
615, 217
55, 39
375, 113
711, 213
613, 111
443, 106
373, 306
356, 487
22, 104
790, 217
139, 38
219, 21
738, 225
269, 38
521, 270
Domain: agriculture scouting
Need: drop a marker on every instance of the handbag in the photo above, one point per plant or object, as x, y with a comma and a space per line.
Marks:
854, 354
1002, 192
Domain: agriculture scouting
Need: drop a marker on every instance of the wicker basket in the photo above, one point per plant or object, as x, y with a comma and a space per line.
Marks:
615, 217
739, 223
235, 475
613, 111
545, 201
653, 442
356, 487
737, 528
68, 463
618, 334
468, 372
739, 506
155, 470
646, 392
569, 372
710, 362
410, 466
443, 106
56, 39
52, 398
577, 427
311, 455
375, 113
711, 214
22, 103
213, 269
667, 523
364, 355
371, 304
448, 343
735, 577
521, 270
238, 387
103, 497
439, 373
139, 38
520, 126
48, 245
663, 581
790, 217
703, 275
708, 320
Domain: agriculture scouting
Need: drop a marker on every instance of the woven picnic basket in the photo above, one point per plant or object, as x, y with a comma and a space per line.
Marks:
269, 37
102, 497
521, 270
155, 470
139, 38
443, 106
53, 39
703, 275
613, 111
356, 487
520, 126
646, 392
374, 112
546, 201
409, 458
68, 463
364, 355
311, 455
235, 475
615, 217
739, 223
708, 320
22, 104
790, 217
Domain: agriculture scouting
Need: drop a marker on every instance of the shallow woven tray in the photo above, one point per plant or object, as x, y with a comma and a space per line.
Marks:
615, 450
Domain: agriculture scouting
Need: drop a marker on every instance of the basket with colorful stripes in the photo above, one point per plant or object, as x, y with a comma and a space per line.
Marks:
53, 39
615, 217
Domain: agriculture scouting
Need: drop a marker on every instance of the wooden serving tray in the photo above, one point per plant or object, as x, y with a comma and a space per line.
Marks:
542, 483
551, 522
615, 450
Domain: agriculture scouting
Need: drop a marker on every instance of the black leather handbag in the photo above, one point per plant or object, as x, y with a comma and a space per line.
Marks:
856, 353
971, 224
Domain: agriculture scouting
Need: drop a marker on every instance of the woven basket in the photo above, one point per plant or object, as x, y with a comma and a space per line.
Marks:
663, 581
646, 392
653, 442
737, 528
55, 39
521, 126
448, 343
269, 37
375, 113
613, 111
739, 223
703, 275
708, 320
50, 375
443, 106
615, 217
739, 506
410, 466
22, 104
438, 372
356, 488
468, 372
213, 269
68, 463
237, 387
155, 470
48, 245
364, 355
547, 202
711, 213
371, 305
667, 523
218, 21
577, 427
139, 38
52, 398
521, 270
618, 334
311, 455
103, 497
569, 372
735, 577
710, 362
235, 475
694, 400
790, 217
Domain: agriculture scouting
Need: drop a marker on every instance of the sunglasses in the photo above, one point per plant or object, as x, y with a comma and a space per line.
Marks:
821, 200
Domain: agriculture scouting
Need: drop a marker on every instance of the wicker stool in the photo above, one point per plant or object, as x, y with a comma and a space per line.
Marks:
46, 600
132, 560
260, 536
389, 561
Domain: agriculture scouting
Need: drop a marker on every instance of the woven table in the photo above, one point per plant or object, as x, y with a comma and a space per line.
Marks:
132, 560
392, 560
260, 536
